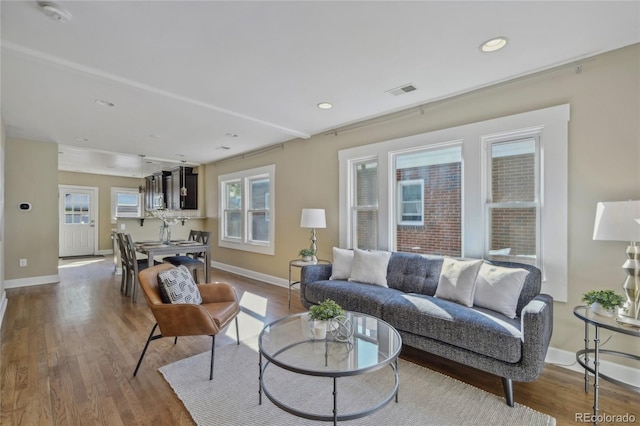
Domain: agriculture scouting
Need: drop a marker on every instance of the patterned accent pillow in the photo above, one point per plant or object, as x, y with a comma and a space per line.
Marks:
177, 286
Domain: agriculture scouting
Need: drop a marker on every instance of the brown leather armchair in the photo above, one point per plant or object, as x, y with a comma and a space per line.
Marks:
219, 306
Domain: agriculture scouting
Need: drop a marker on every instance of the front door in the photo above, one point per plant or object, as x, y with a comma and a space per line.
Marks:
77, 220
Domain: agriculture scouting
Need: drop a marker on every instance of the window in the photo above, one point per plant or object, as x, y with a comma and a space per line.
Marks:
410, 202
513, 202
365, 204
76, 209
495, 189
125, 202
428, 224
246, 209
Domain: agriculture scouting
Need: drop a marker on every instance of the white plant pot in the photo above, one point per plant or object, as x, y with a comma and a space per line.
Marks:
319, 330
597, 309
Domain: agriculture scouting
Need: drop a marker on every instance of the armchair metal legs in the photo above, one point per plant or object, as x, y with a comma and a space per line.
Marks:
151, 337
158, 336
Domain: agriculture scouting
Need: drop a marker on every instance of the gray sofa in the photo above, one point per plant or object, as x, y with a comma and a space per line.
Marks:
513, 349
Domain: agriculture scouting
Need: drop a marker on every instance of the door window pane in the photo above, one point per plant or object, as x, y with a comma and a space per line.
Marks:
76, 207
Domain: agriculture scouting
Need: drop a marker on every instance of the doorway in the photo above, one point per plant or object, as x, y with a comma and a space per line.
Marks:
77, 214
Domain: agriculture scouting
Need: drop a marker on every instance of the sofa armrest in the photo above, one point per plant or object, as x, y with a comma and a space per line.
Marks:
537, 326
313, 273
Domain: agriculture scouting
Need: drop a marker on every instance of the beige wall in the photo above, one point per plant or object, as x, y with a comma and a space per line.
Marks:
31, 175
604, 153
104, 184
2, 238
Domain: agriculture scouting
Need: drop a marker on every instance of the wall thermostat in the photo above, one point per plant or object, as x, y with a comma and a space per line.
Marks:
25, 206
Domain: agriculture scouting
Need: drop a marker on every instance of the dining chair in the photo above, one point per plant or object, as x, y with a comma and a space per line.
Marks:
132, 266
124, 262
218, 308
192, 263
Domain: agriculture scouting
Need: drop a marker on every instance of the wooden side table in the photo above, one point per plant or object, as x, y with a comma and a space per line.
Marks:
582, 356
298, 263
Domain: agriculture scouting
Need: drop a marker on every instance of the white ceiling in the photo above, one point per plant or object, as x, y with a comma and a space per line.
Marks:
185, 75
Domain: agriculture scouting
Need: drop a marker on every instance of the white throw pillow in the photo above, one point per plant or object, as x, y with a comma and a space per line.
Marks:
370, 267
498, 288
458, 280
342, 260
177, 286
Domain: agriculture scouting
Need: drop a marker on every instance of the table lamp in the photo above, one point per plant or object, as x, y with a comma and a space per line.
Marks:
616, 221
313, 218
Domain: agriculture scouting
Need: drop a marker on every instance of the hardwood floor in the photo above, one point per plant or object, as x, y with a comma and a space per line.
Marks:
68, 351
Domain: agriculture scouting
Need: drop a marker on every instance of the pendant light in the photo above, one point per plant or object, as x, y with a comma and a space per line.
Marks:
141, 187
183, 190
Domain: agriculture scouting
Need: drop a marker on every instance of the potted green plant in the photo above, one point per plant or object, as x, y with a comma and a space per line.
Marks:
307, 254
603, 302
322, 313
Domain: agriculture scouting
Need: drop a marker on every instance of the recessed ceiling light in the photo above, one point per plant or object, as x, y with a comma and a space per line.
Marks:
79, 139
55, 12
104, 103
325, 105
232, 135
494, 44
223, 147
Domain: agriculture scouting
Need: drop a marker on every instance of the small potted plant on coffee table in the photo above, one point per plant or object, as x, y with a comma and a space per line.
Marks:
307, 254
321, 314
603, 302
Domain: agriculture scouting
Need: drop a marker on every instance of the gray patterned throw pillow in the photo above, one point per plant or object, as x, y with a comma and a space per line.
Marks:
177, 286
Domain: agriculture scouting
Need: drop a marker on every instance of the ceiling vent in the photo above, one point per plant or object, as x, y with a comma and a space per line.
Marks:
402, 90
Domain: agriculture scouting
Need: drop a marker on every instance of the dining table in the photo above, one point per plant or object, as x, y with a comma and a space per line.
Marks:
175, 248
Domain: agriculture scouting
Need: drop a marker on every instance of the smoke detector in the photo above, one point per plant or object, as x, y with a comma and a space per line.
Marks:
54, 12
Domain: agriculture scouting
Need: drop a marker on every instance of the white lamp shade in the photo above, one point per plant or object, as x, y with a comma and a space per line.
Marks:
313, 218
616, 221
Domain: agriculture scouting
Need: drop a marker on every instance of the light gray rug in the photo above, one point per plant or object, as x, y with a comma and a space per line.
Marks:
425, 398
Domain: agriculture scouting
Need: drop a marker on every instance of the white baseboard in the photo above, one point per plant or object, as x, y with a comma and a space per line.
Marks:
566, 359
555, 356
251, 274
26, 282
3, 305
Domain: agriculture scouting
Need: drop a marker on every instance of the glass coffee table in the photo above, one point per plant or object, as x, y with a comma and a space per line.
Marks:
290, 343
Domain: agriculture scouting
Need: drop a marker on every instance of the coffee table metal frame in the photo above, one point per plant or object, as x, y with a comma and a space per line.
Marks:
391, 360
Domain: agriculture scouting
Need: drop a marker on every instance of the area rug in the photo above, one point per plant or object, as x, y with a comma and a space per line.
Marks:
425, 397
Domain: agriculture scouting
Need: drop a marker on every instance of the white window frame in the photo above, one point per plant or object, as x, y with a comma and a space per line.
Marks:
401, 203
245, 242
114, 197
551, 123
489, 142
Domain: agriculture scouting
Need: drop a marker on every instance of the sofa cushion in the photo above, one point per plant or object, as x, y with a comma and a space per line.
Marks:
370, 267
498, 288
532, 284
342, 261
479, 330
457, 280
359, 297
414, 273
